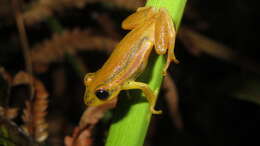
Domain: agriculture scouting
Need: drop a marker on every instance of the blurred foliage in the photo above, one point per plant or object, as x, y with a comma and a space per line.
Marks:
11, 135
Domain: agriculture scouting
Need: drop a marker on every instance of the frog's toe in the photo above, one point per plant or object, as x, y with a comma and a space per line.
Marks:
154, 111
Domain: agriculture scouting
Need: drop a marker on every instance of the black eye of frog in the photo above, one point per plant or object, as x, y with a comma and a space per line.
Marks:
102, 94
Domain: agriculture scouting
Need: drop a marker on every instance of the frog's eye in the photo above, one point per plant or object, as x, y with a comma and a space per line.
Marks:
102, 94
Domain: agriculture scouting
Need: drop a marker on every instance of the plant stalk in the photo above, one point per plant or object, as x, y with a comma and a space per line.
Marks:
132, 115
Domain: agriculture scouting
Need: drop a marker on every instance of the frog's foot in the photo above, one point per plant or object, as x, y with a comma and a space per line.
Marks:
171, 57
154, 111
149, 94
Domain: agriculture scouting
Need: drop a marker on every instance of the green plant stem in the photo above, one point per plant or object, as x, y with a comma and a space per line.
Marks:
132, 116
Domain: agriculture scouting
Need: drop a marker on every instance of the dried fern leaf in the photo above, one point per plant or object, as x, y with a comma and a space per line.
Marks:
172, 99
42, 9
5, 75
22, 78
198, 43
14, 134
92, 115
82, 134
69, 42
8, 113
79, 138
35, 110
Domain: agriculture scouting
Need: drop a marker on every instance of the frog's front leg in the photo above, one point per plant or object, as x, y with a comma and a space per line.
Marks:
149, 94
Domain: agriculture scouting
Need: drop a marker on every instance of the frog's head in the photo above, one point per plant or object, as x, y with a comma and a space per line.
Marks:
97, 93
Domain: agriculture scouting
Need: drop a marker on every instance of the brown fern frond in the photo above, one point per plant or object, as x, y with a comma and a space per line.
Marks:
35, 110
8, 113
22, 78
42, 9
197, 43
83, 139
69, 42
5, 75
172, 99
90, 117
107, 24
27, 118
93, 114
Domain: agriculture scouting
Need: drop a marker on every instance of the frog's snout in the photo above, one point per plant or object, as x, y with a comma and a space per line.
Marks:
88, 101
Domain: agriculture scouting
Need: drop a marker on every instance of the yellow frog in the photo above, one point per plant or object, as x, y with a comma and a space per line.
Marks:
150, 27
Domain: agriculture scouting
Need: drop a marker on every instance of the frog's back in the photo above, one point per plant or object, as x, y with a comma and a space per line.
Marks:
129, 57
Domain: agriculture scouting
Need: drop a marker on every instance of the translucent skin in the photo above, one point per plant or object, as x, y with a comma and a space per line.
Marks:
150, 27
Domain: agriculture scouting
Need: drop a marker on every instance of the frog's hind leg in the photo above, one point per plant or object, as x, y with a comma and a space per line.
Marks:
149, 94
165, 35
138, 18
